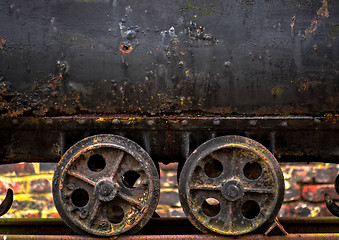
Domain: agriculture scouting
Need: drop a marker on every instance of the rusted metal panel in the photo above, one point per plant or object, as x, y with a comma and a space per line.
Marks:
154, 57
169, 138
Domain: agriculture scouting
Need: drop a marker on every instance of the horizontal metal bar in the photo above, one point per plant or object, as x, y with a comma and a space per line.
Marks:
162, 226
178, 237
186, 122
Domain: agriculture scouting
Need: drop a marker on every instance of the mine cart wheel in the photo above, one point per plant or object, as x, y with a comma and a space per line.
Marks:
231, 185
106, 185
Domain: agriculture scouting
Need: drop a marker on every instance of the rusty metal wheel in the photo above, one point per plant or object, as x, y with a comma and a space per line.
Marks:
231, 185
106, 185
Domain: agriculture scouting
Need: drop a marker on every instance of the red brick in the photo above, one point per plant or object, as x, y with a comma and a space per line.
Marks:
292, 191
30, 214
315, 193
17, 169
16, 185
53, 215
40, 185
326, 174
24, 169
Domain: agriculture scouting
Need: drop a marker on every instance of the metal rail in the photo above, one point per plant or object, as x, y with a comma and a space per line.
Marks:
168, 228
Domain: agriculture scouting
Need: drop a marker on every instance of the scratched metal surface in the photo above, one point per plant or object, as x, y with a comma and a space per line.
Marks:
260, 57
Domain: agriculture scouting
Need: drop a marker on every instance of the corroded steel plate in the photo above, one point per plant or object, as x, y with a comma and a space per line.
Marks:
106, 185
231, 185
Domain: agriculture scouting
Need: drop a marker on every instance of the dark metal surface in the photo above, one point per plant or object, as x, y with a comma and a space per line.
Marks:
153, 57
106, 185
170, 138
7, 203
231, 185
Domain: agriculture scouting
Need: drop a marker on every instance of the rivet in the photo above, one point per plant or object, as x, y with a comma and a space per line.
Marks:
216, 122
49, 121
227, 63
317, 120
184, 122
150, 122
283, 124
252, 122
81, 121
115, 121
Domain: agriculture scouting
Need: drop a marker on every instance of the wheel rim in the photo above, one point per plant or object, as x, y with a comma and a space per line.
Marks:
231, 185
106, 185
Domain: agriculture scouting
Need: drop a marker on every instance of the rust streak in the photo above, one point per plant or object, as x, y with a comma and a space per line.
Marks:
2, 42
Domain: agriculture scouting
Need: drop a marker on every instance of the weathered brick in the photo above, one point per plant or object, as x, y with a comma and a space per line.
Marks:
301, 209
47, 167
40, 185
17, 169
29, 214
16, 184
302, 174
315, 193
292, 191
295, 210
326, 173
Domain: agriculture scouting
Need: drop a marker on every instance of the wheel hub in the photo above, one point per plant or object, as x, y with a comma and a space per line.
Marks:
232, 190
106, 190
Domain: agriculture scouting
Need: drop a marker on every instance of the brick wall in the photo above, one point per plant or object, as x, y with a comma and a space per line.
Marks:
306, 185
32, 186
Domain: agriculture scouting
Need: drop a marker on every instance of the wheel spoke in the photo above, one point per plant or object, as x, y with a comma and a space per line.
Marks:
94, 212
205, 187
259, 190
225, 216
131, 200
117, 164
81, 177
235, 162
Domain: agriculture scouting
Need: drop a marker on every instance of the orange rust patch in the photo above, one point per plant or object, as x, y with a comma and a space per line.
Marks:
2, 42
125, 49
321, 14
